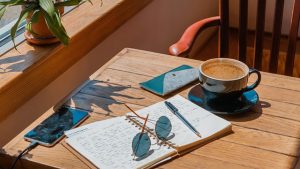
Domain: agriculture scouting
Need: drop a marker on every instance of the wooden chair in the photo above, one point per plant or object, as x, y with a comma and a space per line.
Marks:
184, 45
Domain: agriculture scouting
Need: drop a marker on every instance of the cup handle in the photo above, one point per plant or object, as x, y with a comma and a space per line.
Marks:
256, 83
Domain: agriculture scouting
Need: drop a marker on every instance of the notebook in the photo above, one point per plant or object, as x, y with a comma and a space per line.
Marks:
108, 143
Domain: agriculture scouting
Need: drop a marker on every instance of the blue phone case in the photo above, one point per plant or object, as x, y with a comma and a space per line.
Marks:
171, 80
52, 129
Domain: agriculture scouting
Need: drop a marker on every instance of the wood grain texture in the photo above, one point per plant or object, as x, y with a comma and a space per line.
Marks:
259, 34
224, 28
243, 23
244, 155
25, 73
266, 137
132, 62
277, 23
290, 57
200, 162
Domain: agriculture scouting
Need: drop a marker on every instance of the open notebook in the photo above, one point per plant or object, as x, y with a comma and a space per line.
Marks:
108, 143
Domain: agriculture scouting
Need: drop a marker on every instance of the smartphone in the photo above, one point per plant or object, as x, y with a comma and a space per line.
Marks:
51, 130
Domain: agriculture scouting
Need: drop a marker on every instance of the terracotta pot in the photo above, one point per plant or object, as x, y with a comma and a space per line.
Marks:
43, 35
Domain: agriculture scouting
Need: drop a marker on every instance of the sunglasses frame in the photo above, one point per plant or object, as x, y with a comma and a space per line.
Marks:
144, 128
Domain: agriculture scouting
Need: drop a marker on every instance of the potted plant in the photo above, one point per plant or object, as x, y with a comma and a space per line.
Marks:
43, 19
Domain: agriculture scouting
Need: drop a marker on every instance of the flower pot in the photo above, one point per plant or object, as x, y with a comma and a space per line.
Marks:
42, 35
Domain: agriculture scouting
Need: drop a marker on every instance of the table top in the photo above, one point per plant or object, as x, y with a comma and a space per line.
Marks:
266, 137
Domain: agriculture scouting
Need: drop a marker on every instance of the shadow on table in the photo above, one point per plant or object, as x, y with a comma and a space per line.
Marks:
12, 64
5, 160
101, 97
197, 95
253, 114
19, 62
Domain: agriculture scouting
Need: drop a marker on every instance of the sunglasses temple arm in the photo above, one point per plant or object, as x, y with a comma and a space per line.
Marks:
135, 112
145, 123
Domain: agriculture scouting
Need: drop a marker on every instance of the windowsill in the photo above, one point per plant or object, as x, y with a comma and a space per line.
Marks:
25, 73
6, 43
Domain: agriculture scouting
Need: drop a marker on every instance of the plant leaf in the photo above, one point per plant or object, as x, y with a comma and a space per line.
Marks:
2, 11
55, 26
24, 2
35, 16
72, 2
68, 3
34, 19
12, 2
48, 7
53, 20
29, 28
22, 16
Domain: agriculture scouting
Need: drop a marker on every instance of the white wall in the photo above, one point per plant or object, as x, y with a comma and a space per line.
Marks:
270, 6
155, 28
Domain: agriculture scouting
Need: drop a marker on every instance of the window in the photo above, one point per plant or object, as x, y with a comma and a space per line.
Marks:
6, 23
10, 15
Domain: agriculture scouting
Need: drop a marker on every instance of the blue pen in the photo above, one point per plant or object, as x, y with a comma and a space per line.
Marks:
176, 112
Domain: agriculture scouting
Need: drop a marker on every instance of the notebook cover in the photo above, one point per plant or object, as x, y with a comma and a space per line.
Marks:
171, 80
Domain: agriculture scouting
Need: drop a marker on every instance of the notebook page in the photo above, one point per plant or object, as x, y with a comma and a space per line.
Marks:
82, 129
108, 145
205, 122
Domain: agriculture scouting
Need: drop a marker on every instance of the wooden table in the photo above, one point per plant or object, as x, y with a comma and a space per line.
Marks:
267, 137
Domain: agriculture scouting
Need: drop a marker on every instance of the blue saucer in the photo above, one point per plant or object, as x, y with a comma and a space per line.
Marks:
243, 104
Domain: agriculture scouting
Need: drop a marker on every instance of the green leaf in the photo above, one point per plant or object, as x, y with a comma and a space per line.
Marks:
55, 26
25, 3
17, 1
34, 19
12, 2
48, 7
72, 2
35, 16
22, 16
8, 2
29, 28
2, 11
58, 18
15, 27
68, 3
53, 20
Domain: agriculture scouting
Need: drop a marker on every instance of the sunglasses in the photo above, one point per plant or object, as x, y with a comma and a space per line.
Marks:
141, 142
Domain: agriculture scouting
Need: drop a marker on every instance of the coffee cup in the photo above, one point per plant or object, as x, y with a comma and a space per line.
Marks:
225, 80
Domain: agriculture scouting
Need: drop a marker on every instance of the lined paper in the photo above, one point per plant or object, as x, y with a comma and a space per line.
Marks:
108, 144
205, 122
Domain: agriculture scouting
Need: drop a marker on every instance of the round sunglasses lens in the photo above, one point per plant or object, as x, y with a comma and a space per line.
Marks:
141, 144
163, 128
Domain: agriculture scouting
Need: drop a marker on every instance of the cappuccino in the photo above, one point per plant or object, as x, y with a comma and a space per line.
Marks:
223, 71
226, 78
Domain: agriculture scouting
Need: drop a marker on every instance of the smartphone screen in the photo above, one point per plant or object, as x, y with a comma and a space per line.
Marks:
52, 129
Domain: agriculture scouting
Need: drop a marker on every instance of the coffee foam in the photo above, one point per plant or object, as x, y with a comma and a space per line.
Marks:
224, 69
